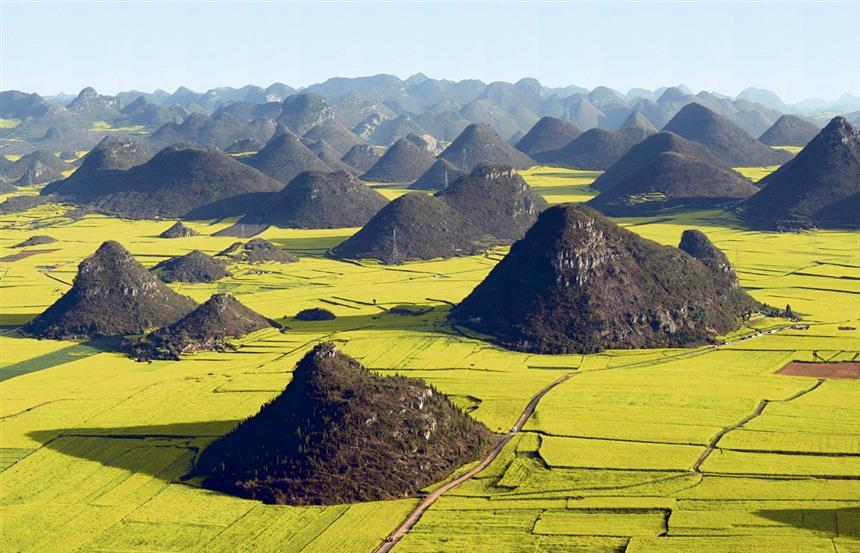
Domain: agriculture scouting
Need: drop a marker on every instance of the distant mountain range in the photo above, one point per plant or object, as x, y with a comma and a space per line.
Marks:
333, 116
388, 87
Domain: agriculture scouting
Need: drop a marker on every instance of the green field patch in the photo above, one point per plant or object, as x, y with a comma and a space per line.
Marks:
48, 360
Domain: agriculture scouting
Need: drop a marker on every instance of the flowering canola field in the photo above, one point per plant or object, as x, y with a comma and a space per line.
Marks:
700, 450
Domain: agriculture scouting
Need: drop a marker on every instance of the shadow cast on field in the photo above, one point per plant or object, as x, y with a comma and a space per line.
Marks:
9, 321
827, 520
133, 448
426, 318
74, 352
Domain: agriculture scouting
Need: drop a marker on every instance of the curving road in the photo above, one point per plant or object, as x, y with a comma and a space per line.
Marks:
416, 513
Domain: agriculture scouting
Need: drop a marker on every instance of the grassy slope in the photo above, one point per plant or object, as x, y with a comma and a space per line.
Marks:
606, 458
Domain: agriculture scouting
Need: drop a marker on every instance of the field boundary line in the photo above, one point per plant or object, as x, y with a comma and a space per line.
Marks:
712, 445
415, 515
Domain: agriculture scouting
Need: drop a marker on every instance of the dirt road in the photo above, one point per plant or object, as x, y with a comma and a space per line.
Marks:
433, 496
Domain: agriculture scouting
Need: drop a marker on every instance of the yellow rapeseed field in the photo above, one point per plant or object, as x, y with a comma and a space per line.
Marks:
94, 446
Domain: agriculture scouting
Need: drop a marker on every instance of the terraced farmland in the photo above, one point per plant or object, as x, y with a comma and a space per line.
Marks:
705, 450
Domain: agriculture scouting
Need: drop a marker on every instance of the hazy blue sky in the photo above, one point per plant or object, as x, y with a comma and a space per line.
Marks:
799, 50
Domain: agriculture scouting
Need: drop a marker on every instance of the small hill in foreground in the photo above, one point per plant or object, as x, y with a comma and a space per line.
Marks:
317, 199
341, 434
37, 240
112, 295
195, 266
315, 314
547, 135
178, 230
790, 130
480, 144
493, 205
404, 161
257, 250
665, 170
578, 283
819, 187
723, 138
206, 328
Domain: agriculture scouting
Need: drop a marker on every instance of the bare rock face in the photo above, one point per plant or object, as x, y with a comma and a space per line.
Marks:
341, 434
579, 283
113, 295
697, 244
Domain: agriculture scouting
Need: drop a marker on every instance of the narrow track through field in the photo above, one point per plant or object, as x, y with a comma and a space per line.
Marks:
431, 498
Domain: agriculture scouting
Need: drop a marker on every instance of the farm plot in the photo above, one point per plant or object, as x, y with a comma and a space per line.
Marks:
94, 446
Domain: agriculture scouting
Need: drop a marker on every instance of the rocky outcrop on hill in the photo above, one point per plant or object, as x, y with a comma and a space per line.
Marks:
578, 283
